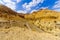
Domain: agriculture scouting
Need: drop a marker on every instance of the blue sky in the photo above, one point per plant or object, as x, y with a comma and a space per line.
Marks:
26, 6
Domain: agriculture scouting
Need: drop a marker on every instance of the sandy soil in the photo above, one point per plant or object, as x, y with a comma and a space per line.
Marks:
17, 33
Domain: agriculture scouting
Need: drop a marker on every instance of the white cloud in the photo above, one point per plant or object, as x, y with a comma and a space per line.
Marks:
33, 11
9, 4
40, 8
7, 1
1, 2
56, 7
18, 1
57, 4
32, 4
44, 8
21, 11
12, 6
58, 10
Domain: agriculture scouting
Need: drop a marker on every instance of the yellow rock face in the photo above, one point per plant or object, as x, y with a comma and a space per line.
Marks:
43, 14
46, 20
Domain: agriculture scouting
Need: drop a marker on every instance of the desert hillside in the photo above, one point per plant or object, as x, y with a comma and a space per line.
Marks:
46, 20
41, 25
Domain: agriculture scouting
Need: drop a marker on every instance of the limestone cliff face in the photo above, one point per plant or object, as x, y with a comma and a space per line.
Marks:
46, 20
44, 13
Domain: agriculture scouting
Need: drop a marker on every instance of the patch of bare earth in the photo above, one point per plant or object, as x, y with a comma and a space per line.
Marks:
17, 33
